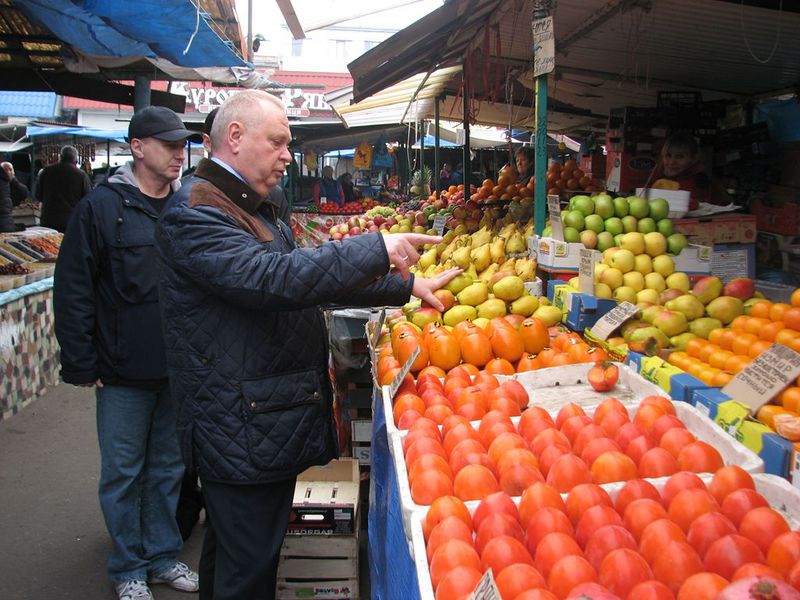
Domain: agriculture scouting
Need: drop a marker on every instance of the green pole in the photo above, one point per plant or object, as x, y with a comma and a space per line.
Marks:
540, 171
436, 158
467, 164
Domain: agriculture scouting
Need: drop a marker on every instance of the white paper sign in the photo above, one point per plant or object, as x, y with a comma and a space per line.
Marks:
438, 223
544, 48
403, 372
762, 379
486, 588
586, 271
606, 325
554, 208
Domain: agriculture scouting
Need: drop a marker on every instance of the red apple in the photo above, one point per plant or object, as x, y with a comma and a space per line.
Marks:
741, 288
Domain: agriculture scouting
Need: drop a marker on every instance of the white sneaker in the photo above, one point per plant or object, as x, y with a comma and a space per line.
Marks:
133, 589
179, 577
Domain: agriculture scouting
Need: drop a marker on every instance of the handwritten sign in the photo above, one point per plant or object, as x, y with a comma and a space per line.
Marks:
403, 372
544, 47
586, 271
438, 223
554, 208
486, 588
606, 325
762, 379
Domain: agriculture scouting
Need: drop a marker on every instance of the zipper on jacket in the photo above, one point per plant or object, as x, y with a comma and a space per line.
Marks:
278, 225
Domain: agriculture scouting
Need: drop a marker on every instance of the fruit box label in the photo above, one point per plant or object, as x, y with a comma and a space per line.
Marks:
554, 208
613, 319
762, 379
658, 371
486, 588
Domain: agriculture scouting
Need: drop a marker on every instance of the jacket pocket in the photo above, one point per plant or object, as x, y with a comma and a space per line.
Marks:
286, 419
133, 266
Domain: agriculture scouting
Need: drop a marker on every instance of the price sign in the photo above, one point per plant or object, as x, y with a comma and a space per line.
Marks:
374, 327
554, 208
606, 325
486, 588
586, 271
403, 372
544, 48
762, 379
438, 223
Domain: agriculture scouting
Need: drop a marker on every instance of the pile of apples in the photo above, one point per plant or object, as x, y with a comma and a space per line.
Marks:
349, 208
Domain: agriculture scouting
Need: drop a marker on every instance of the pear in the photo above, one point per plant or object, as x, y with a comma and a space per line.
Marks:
704, 326
526, 269
427, 259
497, 250
481, 322
487, 274
458, 283
509, 265
472, 272
461, 257
491, 308
481, 237
549, 315
423, 316
687, 304
509, 288
516, 244
679, 342
459, 313
725, 308
474, 294
525, 305
481, 257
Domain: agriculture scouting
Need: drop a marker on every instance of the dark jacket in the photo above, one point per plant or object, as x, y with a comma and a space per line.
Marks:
106, 289
12, 192
246, 342
59, 188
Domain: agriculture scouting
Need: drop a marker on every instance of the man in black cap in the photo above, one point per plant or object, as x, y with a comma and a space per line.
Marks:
109, 327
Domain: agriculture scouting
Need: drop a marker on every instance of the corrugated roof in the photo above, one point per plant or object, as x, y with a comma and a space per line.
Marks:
28, 104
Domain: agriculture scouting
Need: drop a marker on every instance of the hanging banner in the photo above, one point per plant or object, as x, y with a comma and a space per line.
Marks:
362, 159
544, 48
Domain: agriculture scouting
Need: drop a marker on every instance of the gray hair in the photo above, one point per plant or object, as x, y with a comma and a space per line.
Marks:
244, 107
69, 154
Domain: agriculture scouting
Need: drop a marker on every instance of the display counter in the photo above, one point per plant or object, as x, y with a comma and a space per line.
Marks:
29, 352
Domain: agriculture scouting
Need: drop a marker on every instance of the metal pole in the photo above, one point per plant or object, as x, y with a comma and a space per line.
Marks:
422, 145
108, 155
249, 30
436, 140
540, 149
465, 160
141, 92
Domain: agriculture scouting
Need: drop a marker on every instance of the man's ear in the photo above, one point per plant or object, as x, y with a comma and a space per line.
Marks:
137, 148
235, 135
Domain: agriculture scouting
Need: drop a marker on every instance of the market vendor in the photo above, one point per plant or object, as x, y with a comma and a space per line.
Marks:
523, 159
679, 162
328, 188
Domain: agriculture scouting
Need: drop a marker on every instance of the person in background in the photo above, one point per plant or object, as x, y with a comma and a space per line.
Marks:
12, 193
246, 340
457, 176
679, 161
346, 181
60, 187
444, 177
523, 160
328, 188
108, 323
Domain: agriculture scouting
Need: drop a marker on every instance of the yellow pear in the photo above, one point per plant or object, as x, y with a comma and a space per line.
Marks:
524, 305
516, 244
481, 258
497, 250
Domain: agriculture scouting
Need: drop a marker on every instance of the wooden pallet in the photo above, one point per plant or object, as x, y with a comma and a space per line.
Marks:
318, 567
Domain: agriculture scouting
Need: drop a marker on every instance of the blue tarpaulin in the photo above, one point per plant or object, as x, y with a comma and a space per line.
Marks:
27, 104
146, 28
782, 119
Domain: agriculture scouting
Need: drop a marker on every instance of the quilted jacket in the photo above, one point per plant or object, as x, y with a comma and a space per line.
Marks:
246, 343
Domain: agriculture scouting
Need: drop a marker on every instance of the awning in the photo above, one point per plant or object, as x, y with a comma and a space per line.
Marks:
14, 146
479, 136
430, 142
28, 104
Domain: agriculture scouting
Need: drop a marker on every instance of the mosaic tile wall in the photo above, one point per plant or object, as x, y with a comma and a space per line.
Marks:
28, 351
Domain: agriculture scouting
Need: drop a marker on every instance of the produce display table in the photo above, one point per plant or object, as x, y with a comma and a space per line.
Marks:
312, 229
28, 348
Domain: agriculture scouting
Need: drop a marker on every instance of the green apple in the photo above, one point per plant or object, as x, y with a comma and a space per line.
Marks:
646, 225
574, 219
584, 204
676, 243
659, 209
630, 224
618, 239
571, 235
664, 227
603, 206
601, 290
605, 240
611, 277
663, 265
638, 207
589, 239
623, 260
594, 223
620, 207
613, 225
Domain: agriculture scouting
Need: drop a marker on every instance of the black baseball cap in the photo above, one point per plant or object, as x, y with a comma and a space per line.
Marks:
161, 123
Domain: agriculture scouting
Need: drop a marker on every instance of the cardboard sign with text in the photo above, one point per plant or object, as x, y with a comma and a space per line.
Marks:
486, 588
554, 208
606, 325
438, 223
761, 380
586, 271
544, 48
403, 372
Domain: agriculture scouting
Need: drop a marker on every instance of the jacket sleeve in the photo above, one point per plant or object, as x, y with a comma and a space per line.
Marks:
390, 290
87, 184
19, 191
74, 298
207, 247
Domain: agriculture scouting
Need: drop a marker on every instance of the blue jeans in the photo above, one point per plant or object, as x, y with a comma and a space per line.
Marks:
140, 477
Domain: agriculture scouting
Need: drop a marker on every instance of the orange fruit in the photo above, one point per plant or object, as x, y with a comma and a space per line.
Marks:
739, 322
758, 347
742, 343
761, 309
778, 310
755, 324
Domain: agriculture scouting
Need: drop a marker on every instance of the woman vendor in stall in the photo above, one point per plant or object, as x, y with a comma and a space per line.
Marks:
679, 167
523, 159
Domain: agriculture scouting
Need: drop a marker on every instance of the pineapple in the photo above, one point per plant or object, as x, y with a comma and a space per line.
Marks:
421, 181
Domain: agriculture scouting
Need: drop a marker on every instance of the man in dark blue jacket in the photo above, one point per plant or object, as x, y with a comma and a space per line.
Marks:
108, 324
245, 339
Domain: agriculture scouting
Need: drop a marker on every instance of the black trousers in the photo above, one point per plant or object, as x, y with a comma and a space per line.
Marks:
246, 525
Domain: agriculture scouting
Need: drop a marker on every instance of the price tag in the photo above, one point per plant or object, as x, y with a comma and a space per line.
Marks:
606, 325
486, 588
586, 271
403, 372
554, 208
762, 379
438, 223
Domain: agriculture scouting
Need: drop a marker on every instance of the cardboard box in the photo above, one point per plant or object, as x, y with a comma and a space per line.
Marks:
579, 310
318, 567
363, 454
675, 382
726, 229
594, 165
361, 430
779, 211
694, 260
730, 261
627, 171
790, 164
734, 418
555, 255
326, 500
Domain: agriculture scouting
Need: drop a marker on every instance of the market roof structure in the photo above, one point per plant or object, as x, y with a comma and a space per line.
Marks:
609, 53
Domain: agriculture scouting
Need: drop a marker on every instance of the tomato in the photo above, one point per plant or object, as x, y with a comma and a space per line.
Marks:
567, 472
475, 482
730, 552
604, 540
452, 528
536, 497
700, 457
534, 335
656, 536
458, 583
546, 520
702, 586
635, 489
518, 578
707, 529
613, 466
593, 519
622, 569
784, 552
675, 563
452, 554
603, 376
569, 572
657, 462
496, 525
641, 513
651, 590
584, 496
762, 525
737, 504
552, 548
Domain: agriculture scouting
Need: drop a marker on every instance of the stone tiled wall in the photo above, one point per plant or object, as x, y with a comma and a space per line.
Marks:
29, 352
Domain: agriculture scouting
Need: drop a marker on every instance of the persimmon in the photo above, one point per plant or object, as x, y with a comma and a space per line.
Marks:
488, 422
407, 402
675, 563
603, 377
707, 529
640, 513
515, 456
450, 528
407, 418
584, 496
567, 472
613, 466
689, 504
475, 482
606, 407
613, 422
495, 525
514, 390
635, 489
651, 590
638, 447
504, 551
430, 485
444, 351
762, 525
755, 570
458, 583
626, 433
500, 366
623, 569
538, 496
503, 442
593, 519
657, 462
443, 507
574, 425
534, 336
504, 405
702, 586
784, 552
673, 440
657, 535
528, 362
552, 548
548, 437
569, 572
429, 462
486, 379
452, 554
700, 457
730, 552
647, 415
597, 446
546, 520
792, 318
518, 578
549, 456
790, 399
438, 413
777, 311
729, 479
